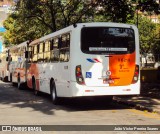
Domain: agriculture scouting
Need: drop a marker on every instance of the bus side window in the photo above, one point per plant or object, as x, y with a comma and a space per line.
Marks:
35, 53
40, 52
46, 51
30, 53
60, 42
55, 51
56, 55
64, 55
51, 44
51, 50
64, 50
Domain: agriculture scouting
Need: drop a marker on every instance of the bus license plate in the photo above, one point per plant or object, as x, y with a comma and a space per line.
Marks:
106, 81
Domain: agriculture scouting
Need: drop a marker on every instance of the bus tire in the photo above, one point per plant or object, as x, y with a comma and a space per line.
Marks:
35, 91
10, 77
19, 82
14, 84
5, 79
53, 93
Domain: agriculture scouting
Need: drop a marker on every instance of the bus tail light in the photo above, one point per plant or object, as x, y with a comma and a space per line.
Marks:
136, 74
79, 76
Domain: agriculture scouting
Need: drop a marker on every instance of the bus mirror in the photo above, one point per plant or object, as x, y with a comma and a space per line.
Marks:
26, 54
6, 58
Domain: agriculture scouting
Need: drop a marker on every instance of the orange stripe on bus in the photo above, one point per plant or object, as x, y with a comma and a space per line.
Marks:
122, 67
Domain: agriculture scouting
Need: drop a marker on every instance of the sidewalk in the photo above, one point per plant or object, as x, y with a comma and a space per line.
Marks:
149, 99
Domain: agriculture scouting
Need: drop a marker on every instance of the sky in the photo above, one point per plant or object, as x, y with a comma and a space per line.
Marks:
1, 47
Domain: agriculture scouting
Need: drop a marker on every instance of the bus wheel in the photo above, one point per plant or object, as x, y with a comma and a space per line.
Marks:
36, 92
53, 92
10, 77
19, 82
5, 79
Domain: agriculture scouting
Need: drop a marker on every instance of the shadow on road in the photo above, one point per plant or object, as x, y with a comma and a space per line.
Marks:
14, 97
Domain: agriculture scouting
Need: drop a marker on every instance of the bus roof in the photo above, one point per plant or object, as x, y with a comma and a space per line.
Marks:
18, 46
69, 28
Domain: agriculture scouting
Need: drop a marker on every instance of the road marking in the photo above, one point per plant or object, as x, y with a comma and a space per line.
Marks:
146, 114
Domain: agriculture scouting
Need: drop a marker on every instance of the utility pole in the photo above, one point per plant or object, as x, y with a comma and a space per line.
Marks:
137, 11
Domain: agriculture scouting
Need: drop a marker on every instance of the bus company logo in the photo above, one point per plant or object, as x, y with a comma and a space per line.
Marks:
93, 60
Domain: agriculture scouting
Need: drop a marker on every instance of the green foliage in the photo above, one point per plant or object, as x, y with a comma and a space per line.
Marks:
146, 31
35, 18
156, 41
149, 6
1, 33
117, 10
149, 36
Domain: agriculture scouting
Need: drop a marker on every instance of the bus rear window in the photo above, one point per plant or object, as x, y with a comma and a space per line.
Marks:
107, 40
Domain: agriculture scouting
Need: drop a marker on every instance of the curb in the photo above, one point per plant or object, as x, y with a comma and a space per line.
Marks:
135, 105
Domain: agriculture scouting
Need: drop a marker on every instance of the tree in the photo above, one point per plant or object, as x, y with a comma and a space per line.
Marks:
146, 34
18, 30
116, 10
156, 41
36, 18
149, 6
55, 14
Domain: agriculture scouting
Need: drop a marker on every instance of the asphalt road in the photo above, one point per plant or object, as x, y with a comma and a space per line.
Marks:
21, 107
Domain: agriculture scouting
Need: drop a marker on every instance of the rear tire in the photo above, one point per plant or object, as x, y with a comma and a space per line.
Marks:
19, 82
10, 77
5, 79
36, 92
53, 93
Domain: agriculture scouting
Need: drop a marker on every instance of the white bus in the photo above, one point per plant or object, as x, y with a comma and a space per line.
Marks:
4, 65
87, 59
17, 64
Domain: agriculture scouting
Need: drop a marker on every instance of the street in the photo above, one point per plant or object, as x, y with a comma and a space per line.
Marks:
21, 107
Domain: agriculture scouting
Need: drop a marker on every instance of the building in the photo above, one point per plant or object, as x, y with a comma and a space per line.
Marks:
5, 3
154, 18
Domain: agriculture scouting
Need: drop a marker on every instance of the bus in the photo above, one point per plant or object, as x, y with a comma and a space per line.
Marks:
85, 60
4, 65
17, 64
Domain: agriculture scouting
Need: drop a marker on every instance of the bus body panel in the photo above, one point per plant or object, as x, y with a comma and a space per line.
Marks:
3, 66
33, 74
120, 69
43, 73
79, 90
103, 74
17, 63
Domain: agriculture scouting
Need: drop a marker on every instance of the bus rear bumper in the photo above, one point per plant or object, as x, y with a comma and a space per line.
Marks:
83, 90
